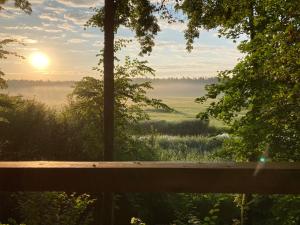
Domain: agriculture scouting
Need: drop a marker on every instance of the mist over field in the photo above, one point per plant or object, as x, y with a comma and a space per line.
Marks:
176, 92
53, 94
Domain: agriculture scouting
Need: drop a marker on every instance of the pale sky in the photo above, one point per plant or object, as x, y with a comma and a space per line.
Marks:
55, 28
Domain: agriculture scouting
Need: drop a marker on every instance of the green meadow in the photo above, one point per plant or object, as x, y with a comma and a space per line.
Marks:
185, 109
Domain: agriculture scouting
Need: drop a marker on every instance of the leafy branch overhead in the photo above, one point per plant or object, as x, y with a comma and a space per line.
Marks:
232, 18
137, 15
24, 5
4, 54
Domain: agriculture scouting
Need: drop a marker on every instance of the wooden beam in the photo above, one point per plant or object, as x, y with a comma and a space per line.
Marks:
269, 178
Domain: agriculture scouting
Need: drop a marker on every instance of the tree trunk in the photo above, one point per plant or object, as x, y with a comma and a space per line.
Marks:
109, 24
109, 80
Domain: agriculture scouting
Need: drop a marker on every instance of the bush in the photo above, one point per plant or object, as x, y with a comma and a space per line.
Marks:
30, 131
54, 208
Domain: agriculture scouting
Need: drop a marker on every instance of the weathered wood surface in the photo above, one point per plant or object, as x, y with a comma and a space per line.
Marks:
269, 178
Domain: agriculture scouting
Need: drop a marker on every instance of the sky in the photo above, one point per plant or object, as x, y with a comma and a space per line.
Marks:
56, 29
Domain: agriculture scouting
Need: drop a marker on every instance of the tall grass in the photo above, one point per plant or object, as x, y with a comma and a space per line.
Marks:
182, 128
182, 148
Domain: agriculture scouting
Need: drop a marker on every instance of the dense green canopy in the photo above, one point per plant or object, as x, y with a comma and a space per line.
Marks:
260, 97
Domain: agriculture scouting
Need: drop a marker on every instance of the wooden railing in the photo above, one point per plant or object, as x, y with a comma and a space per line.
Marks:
269, 178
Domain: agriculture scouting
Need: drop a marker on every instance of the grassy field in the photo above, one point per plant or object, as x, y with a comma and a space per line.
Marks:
186, 109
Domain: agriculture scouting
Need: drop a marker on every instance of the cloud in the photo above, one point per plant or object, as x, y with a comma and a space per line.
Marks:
191, 67
53, 30
30, 41
20, 38
91, 35
57, 25
6, 15
33, 28
98, 44
9, 6
23, 28
178, 26
50, 17
76, 41
40, 2
81, 3
171, 58
54, 37
55, 9
80, 51
9, 12
207, 49
66, 27
78, 17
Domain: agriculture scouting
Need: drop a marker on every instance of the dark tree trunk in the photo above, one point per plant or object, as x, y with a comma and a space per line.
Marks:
109, 80
109, 19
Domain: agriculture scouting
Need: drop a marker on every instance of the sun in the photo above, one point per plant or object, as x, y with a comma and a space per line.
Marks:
39, 60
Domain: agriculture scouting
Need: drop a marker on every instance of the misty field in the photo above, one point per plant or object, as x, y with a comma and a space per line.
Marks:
180, 94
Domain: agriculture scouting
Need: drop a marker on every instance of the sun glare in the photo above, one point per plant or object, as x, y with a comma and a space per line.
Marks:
39, 60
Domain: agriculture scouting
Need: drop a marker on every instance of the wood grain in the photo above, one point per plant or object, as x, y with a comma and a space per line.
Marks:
269, 178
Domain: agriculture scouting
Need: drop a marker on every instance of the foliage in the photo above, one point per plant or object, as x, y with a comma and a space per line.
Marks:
193, 209
286, 210
183, 209
259, 98
3, 55
30, 131
136, 221
24, 5
86, 105
210, 219
232, 18
54, 208
137, 15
